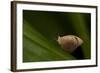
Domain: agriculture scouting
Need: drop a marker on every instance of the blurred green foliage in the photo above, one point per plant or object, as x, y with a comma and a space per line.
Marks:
41, 29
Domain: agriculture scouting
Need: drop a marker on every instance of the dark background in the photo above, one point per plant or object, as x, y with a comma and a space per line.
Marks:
51, 25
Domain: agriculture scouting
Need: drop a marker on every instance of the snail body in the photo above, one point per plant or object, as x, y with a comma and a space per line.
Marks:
69, 42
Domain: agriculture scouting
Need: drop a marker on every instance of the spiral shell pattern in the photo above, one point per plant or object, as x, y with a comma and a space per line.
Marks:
69, 42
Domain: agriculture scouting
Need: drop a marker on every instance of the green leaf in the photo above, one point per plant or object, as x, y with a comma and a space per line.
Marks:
38, 48
41, 29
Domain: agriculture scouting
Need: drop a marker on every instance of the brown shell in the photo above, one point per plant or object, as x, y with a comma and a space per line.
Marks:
69, 42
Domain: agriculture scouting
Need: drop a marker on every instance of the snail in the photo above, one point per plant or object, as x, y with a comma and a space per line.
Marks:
69, 42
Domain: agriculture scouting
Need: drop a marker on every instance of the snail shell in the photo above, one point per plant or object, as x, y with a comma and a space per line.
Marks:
69, 42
